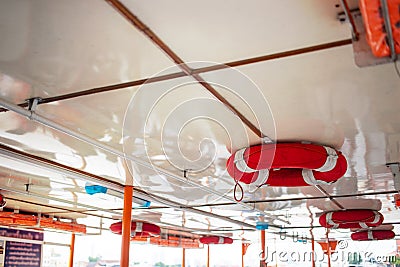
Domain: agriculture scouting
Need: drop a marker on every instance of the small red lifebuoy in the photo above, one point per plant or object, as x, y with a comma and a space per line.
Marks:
356, 218
142, 229
370, 235
216, 240
287, 164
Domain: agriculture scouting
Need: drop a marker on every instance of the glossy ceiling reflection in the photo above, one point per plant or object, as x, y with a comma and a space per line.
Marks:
166, 94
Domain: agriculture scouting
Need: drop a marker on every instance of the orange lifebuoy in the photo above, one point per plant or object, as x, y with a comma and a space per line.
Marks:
216, 240
374, 25
174, 241
33, 221
356, 218
137, 229
370, 235
287, 164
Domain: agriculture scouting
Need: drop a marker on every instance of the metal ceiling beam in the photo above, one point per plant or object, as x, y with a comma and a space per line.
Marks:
325, 193
238, 63
56, 167
62, 210
47, 197
387, 192
138, 24
349, 16
279, 55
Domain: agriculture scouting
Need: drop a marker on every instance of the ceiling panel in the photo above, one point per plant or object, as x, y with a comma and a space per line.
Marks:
215, 31
52, 54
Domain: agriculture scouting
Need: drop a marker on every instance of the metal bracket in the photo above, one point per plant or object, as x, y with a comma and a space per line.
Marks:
267, 140
349, 17
395, 169
33, 103
185, 172
388, 27
343, 16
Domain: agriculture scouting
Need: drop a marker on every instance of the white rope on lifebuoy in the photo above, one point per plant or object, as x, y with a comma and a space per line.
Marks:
370, 235
377, 217
309, 178
221, 240
331, 160
262, 178
330, 221
241, 164
138, 228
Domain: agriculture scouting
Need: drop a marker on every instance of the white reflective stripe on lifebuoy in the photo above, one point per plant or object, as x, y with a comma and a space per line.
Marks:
139, 227
262, 177
309, 178
240, 163
329, 220
377, 217
331, 160
221, 240
370, 235
363, 225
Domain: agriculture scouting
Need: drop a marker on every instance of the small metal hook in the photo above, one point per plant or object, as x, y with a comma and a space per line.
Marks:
304, 239
282, 234
185, 173
295, 240
33, 102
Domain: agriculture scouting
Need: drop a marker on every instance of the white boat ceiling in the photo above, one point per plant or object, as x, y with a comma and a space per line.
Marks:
175, 135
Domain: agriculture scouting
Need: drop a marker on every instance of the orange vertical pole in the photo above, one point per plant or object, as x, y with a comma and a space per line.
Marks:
183, 257
329, 248
313, 252
72, 251
208, 255
126, 225
242, 255
329, 255
262, 260
244, 248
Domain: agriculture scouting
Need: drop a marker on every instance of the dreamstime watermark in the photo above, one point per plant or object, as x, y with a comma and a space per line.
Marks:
340, 256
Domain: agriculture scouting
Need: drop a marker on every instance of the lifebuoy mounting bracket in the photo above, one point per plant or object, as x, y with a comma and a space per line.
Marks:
33, 103
185, 172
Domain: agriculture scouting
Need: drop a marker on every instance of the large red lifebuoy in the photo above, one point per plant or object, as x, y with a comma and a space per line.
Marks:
357, 218
216, 240
142, 229
287, 164
370, 235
